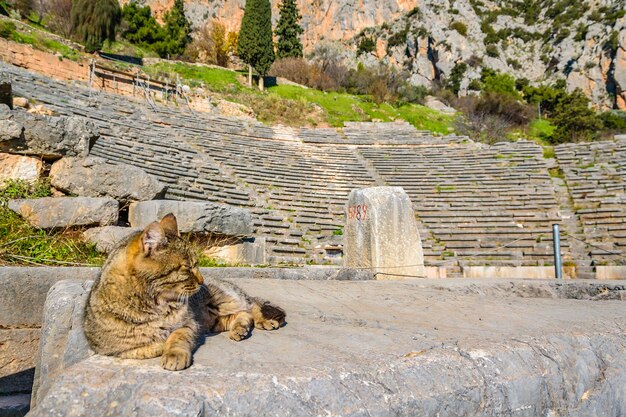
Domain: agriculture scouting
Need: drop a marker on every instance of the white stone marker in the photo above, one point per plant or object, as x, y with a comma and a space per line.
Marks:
381, 233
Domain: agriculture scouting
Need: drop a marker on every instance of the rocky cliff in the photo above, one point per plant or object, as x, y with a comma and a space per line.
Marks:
541, 40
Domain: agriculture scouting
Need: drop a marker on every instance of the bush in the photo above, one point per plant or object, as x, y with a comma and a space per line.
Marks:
459, 27
492, 51
366, 45
7, 29
503, 84
310, 74
574, 120
614, 120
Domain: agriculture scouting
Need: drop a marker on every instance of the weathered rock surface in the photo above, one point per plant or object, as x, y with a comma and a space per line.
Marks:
105, 238
194, 216
10, 130
17, 167
50, 137
381, 233
94, 177
6, 94
436, 104
421, 37
50, 212
347, 350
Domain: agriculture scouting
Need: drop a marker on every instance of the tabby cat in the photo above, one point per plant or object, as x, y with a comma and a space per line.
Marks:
151, 300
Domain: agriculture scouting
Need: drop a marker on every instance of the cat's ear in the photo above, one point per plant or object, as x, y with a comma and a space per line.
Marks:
170, 225
153, 238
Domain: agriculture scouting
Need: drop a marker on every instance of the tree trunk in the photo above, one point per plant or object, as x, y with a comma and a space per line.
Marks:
261, 82
250, 76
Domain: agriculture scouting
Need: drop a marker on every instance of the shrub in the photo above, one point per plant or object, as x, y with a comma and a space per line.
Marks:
498, 83
614, 120
574, 120
366, 45
7, 28
459, 27
492, 51
211, 45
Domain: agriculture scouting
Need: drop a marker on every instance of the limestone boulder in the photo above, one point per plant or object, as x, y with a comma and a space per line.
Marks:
51, 213
95, 177
381, 233
194, 216
50, 137
10, 130
18, 167
105, 238
436, 104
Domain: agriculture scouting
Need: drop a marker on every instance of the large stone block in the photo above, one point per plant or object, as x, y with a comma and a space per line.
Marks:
381, 233
49, 137
17, 167
50, 213
94, 177
105, 238
194, 216
348, 350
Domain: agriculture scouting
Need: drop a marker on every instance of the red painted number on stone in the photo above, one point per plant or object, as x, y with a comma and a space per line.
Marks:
357, 212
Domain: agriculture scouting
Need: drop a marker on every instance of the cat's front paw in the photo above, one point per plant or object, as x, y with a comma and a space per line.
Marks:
176, 360
239, 333
267, 324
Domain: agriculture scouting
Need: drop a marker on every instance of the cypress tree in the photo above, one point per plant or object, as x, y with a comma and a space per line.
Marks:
255, 38
288, 31
94, 21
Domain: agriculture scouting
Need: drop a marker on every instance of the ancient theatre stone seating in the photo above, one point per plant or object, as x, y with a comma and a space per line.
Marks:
476, 204
596, 177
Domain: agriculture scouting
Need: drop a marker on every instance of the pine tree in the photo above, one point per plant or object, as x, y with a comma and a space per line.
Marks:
94, 21
288, 31
255, 38
177, 31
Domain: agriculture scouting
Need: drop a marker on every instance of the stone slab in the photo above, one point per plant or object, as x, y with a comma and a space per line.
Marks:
24, 292
49, 137
105, 238
194, 216
391, 348
610, 272
50, 212
95, 177
528, 272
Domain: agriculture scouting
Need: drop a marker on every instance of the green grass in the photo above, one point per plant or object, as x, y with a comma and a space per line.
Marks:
9, 31
279, 104
341, 107
541, 131
23, 244
123, 47
214, 79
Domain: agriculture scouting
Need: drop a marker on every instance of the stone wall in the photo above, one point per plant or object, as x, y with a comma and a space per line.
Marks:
27, 57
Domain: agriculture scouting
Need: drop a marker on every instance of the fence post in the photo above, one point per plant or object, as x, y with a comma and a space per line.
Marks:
556, 239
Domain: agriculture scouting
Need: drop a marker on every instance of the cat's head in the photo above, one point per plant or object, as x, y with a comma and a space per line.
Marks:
164, 261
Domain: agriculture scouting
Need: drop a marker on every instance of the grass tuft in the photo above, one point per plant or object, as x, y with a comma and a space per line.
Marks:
23, 244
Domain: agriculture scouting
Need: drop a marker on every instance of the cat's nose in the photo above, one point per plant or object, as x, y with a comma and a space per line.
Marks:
198, 275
